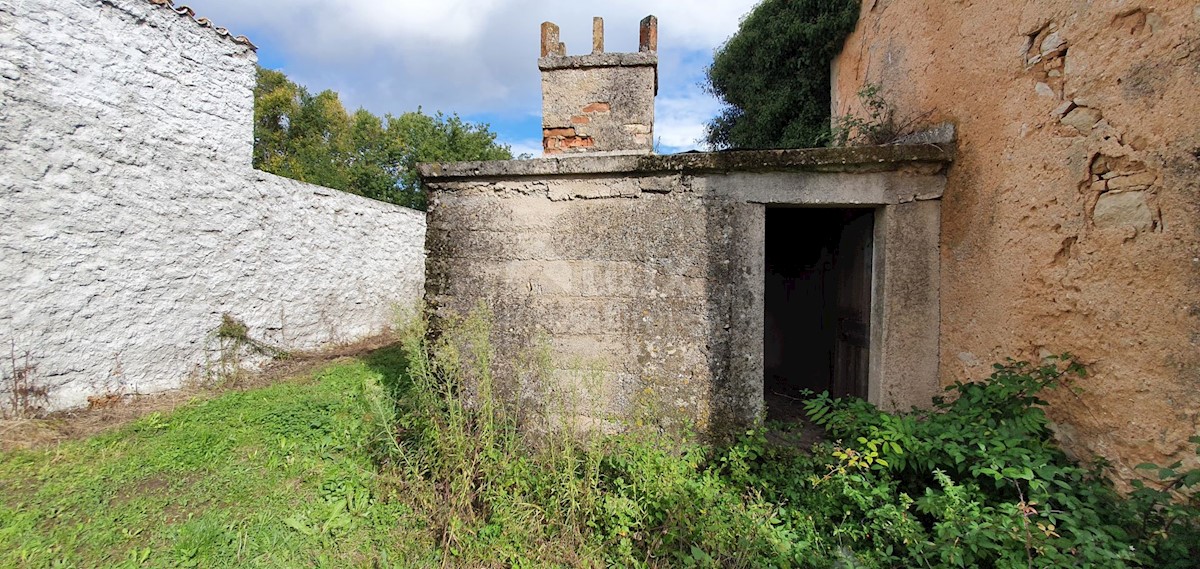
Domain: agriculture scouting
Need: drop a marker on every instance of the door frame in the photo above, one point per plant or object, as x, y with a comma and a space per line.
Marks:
905, 301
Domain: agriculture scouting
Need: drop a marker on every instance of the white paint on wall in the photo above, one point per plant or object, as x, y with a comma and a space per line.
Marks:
131, 220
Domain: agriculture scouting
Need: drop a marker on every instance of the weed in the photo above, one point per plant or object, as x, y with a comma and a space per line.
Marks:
233, 347
27, 396
1167, 512
411, 455
977, 481
991, 488
879, 125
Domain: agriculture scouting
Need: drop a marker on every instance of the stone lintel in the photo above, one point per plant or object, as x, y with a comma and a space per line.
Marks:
640, 59
935, 157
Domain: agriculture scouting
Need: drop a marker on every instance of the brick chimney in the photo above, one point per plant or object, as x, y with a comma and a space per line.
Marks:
600, 102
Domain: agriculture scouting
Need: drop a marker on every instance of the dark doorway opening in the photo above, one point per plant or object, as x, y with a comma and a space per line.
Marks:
816, 332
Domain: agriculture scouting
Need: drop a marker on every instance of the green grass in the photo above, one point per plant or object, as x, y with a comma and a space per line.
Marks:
274, 477
380, 462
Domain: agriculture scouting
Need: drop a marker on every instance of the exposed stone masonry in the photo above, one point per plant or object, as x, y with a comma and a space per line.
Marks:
1072, 213
601, 102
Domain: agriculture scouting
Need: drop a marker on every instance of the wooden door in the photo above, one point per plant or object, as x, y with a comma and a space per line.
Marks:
852, 299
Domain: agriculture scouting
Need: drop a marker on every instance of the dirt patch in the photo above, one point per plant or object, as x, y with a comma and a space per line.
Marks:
76, 424
787, 424
157, 484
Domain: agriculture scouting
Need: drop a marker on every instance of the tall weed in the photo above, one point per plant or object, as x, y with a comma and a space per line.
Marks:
975, 482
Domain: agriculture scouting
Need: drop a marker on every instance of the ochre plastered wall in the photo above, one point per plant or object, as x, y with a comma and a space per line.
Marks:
1071, 217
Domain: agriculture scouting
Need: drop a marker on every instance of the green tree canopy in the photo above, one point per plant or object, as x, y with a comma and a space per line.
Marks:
313, 139
773, 74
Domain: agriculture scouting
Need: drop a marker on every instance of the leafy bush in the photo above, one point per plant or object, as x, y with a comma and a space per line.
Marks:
773, 74
1167, 517
975, 482
991, 488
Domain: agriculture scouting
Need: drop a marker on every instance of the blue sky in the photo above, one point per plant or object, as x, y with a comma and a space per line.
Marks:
477, 58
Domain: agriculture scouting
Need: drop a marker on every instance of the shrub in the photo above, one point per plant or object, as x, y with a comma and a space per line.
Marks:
975, 482
877, 125
991, 488
773, 75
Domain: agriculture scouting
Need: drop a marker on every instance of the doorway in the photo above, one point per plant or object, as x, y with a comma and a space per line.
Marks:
817, 305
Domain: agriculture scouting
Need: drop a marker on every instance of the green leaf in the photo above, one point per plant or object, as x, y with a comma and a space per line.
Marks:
297, 523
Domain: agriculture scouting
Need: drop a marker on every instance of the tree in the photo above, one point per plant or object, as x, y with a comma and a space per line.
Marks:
438, 138
313, 139
773, 74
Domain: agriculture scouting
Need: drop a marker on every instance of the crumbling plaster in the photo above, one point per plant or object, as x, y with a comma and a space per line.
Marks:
1071, 216
648, 271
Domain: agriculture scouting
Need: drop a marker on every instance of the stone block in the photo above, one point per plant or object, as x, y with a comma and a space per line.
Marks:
1132, 180
1082, 119
1123, 209
597, 35
550, 41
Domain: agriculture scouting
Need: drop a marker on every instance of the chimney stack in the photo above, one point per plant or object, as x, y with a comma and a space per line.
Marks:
600, 102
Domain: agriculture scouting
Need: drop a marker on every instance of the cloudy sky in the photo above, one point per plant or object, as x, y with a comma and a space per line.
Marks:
477, 58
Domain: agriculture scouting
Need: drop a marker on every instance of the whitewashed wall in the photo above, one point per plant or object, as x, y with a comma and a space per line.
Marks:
131, 220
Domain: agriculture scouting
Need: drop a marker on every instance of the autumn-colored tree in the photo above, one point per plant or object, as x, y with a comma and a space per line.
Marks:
313, 139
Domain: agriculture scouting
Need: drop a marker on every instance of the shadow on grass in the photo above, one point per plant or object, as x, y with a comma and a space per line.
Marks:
392, 364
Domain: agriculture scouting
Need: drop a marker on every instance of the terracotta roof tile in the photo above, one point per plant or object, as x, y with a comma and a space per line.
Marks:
203, 22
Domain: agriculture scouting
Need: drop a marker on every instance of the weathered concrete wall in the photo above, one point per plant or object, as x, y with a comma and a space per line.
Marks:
131, 220
1071, 218
618, 286
645, 274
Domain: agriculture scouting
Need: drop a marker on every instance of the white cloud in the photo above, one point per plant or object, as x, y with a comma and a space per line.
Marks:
679, 121
473, 57
532, 147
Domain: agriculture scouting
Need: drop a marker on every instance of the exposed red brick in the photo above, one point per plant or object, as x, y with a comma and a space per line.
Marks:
597, 108
551, 142
580, 119
558, 132
578, 142
648, 38
552, 151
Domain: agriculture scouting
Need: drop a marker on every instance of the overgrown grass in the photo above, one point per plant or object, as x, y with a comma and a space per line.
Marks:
975, 482
409, 458
275, 477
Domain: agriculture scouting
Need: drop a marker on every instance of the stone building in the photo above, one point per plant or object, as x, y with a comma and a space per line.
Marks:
1065, 218
131, 220
685, 283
